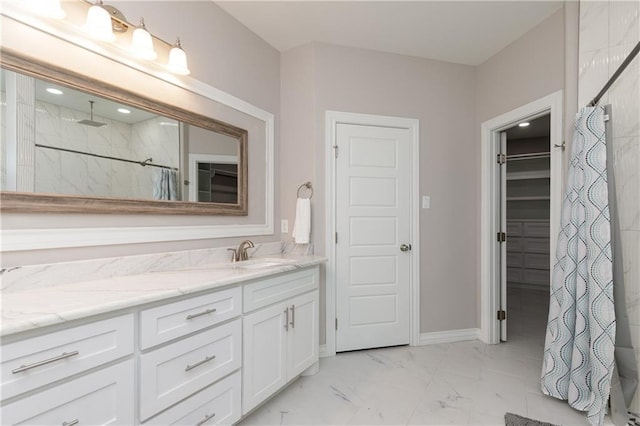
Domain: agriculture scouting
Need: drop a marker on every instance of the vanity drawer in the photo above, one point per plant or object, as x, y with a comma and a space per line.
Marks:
31, 363
100, 398
167, 322
272, 290
217, 404
176, 371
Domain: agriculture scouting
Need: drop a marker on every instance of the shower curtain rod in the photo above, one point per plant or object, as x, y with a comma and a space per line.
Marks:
615, 75
147, 162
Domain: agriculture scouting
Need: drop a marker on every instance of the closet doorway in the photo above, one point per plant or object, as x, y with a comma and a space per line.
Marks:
525, 215
525, 190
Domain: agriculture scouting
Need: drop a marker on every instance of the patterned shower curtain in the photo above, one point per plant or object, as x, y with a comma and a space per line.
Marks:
165, 185
579, 348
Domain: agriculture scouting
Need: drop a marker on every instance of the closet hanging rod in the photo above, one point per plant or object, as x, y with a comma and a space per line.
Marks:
226, 173
614, 77
147, 162
529, 156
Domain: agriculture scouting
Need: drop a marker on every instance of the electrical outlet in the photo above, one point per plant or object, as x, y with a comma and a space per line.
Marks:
284, 226
426, 202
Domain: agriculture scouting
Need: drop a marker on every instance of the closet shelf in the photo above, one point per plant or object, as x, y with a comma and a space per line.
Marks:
529, 198
536, 174
528, 156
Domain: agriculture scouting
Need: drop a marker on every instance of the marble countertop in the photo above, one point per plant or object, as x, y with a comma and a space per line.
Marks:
34, 308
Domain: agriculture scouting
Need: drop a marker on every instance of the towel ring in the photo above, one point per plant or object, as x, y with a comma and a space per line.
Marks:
305, 185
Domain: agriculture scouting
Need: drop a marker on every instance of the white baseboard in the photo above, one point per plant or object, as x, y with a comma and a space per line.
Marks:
323, 351
449, 336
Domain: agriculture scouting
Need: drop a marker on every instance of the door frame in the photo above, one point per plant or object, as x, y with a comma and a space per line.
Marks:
489, 202
332, 119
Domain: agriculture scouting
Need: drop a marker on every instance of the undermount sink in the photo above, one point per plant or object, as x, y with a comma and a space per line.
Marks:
259, 265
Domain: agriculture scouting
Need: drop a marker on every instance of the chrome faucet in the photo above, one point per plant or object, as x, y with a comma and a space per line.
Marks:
240, 253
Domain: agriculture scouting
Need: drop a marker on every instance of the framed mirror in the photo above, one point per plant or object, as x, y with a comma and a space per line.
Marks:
73, 144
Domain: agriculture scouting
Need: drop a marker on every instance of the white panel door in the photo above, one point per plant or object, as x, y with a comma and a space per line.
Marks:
373, 172
502, 226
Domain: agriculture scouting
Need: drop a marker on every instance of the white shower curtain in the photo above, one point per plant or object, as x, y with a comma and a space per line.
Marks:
165, 184
579, 348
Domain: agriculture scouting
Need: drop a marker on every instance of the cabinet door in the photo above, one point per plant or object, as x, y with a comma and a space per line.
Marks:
264, 367
303, 332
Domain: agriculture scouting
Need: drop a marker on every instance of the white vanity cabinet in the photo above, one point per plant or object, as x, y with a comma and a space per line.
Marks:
81, 353
280, 333
99, 398
203, 359
204, 336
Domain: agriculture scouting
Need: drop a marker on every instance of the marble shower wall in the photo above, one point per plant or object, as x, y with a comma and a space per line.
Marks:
156, 138
76, 174
608, 32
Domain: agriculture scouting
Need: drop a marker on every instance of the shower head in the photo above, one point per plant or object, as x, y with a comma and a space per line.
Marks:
91, 122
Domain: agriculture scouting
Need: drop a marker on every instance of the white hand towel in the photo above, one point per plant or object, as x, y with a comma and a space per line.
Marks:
302, 225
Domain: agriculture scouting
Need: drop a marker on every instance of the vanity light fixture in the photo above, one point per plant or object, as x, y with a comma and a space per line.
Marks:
142, 43
178, 60
99, 22
124, 111
523, 124
54, 91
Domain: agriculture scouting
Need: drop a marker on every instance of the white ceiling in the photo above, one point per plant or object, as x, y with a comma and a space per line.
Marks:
464, 32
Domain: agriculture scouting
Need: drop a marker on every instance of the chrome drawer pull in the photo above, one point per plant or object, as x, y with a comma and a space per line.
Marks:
71, 423
206, 418
197, 364
286, 319
46, 361
293, 316
207, 312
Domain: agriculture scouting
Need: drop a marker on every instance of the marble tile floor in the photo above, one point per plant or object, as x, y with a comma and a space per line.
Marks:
445, 384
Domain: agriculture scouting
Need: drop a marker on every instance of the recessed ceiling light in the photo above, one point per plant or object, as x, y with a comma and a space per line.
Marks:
124, 111
54, 91
523, 124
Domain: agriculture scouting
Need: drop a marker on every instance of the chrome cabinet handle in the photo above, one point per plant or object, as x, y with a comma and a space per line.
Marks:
286, 319
206, 418
293, 316
71, 423
199, 314
199, 363
46, 361
405, 247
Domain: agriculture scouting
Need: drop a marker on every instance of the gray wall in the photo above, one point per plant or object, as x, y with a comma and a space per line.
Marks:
321, 77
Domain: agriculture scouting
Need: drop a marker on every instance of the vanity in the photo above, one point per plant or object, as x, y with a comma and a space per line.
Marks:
202, 345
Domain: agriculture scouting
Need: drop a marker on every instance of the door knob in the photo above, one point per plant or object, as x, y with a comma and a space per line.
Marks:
405, 247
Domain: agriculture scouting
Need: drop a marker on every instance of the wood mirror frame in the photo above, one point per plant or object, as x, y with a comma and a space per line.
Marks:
24, 202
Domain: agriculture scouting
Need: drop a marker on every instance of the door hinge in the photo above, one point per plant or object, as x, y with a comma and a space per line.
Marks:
335, 150
336, 238
336, 323
502, 315
502, 158
502, 237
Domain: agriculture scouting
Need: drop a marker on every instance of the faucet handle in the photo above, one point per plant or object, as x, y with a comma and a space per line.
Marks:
234, 256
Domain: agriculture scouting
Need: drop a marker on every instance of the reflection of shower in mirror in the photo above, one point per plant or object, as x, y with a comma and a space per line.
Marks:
91, 122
